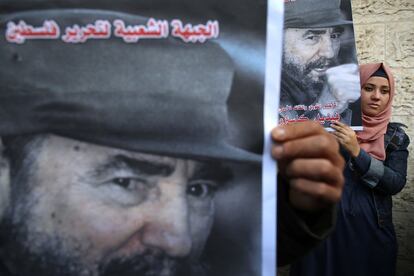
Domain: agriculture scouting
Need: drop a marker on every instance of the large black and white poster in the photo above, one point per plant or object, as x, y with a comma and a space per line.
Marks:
132, 137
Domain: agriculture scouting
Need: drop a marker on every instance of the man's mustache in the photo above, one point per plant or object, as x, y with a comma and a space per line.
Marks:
153, 264
320, 63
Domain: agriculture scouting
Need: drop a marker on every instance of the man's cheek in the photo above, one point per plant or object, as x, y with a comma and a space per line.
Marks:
101, 228
200, 224
337, 46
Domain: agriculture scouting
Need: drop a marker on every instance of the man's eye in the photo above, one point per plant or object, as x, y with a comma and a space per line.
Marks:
335, 35
127, 183
313, 38
202, 189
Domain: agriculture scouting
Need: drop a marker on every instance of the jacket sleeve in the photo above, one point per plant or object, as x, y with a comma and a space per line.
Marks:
388, 177
395, 169
298, 232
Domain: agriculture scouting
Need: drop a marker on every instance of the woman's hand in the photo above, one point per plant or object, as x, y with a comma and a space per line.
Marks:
347, 137
308, 157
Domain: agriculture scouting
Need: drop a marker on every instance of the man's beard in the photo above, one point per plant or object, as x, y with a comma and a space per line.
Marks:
305, 90
49, 258
25, 251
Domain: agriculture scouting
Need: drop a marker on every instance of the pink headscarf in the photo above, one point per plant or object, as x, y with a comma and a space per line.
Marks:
371, 139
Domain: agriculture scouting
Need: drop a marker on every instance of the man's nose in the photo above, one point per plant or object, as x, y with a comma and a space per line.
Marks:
327, 47
168, 230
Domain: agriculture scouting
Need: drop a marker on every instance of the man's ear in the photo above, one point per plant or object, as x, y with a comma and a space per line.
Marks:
4, 179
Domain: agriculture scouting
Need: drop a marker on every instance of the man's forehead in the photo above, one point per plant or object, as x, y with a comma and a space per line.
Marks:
60, 145
165, 165
313, 30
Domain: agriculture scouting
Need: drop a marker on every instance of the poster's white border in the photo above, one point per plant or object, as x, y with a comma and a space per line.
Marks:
356, 128
274, 40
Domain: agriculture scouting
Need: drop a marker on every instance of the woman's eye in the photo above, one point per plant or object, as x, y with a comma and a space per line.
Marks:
368, 88
385, 91
202, 189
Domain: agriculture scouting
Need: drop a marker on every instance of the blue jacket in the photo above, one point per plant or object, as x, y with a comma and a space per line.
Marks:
388, 177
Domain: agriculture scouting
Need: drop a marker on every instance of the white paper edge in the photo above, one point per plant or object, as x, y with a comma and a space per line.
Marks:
274, 39
356, 128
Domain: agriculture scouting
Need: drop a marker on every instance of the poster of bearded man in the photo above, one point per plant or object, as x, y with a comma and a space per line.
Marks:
320, 78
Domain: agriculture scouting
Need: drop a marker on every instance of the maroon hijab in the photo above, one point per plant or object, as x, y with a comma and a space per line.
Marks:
371, 139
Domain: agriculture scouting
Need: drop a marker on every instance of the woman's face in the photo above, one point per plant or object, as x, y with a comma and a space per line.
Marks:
375, 95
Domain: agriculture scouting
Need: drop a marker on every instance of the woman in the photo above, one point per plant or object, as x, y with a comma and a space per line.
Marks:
364, 241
